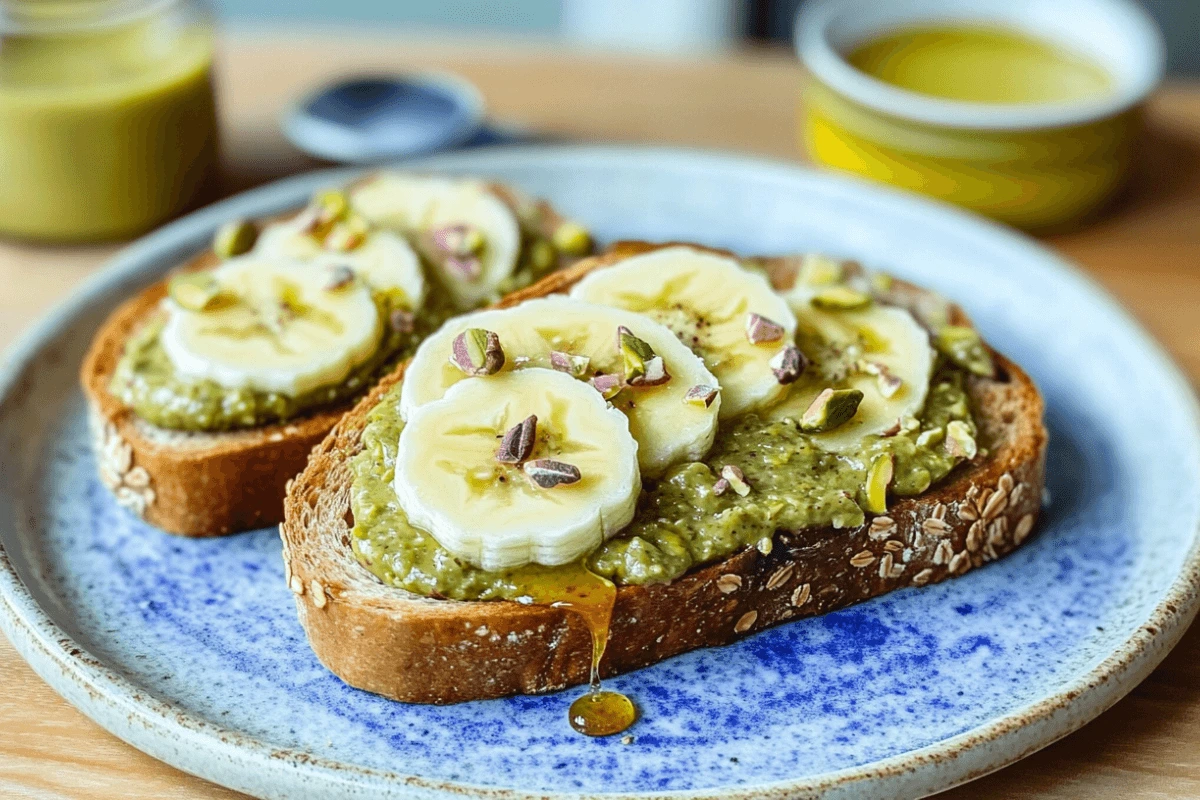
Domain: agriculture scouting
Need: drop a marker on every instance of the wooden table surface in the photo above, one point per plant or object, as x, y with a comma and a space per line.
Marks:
1146, 251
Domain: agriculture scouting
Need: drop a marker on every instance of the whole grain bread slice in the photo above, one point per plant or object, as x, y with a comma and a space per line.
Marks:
417, 649
209, 484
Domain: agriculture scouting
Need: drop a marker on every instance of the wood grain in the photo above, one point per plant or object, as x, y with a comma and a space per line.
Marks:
1146, 250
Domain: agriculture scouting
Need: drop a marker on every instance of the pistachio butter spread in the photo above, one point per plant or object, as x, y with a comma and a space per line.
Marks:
146, 381
681, 521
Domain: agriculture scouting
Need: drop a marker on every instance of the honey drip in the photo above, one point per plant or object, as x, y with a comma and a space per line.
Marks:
575, 587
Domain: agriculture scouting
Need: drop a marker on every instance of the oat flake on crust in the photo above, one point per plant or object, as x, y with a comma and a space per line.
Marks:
131, 485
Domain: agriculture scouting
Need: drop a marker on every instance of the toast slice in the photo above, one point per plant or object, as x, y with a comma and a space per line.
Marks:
417, 649
208, 484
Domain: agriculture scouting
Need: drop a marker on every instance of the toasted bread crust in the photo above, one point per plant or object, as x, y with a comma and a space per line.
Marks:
423, 650
205, 484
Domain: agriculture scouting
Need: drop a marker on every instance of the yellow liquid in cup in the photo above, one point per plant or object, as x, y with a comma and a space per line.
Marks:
104, 133
1035, 179
981, 65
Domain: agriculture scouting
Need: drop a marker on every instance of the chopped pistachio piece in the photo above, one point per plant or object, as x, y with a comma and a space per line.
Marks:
346, 235
882, 282
655, 375
458, 239
760, 329
701, 395
547, 473
819, 270
340, 277
477, 352
634, 352
331, 206
518, 441
575, 366
609, 386
720, 487
542, 256
195, 291
736, 479
930, 437
889, 383
234, 238
964, 347
841, 298
830, 409
959, 441
466, 268
879, 478
788, 364
572, 238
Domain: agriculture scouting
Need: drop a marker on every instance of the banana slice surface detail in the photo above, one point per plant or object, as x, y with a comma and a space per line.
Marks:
582, 340
468, 235
878, 350
269, 325
500, 491
727, 315
384, 259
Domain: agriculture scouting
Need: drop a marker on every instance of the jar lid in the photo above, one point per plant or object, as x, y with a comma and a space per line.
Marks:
370, 119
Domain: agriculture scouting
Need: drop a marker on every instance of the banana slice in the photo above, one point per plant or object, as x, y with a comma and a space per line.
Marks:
581, 339
384, 259
270, 325
881, 351
469, 236
710, 302
501, 492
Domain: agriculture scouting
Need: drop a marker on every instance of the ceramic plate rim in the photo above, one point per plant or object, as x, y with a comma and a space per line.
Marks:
232, 759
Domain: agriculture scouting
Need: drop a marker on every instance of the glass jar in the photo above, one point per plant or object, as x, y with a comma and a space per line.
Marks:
107, 120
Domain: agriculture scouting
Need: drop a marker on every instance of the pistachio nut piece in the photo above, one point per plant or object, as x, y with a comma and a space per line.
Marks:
831, 408
959, 441
458, 239
655, 374
542, 256
518, 441
720, 487
964, 347
575, 366
546, 473
634, 352
889, 383
195, 291
330, 206
477, 352
759, 329
572, 238
788, 364
234, 238
819, 270
346, 235
701, 395
879, 478
736, 479
609, 386
930, 437
841, 298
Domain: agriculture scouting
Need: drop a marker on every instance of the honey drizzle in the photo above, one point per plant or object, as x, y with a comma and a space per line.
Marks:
592, 598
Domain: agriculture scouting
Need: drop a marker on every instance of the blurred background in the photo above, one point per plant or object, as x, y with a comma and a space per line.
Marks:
664, 26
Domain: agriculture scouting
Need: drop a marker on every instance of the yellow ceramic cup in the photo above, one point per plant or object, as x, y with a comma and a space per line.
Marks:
1039, 165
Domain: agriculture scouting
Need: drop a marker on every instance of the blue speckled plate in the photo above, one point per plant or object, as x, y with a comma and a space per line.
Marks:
191, 650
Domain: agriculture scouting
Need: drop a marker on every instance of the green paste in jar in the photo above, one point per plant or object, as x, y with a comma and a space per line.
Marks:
680, 523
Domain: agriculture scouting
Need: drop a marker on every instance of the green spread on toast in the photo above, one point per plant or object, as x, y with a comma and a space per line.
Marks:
680, 521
